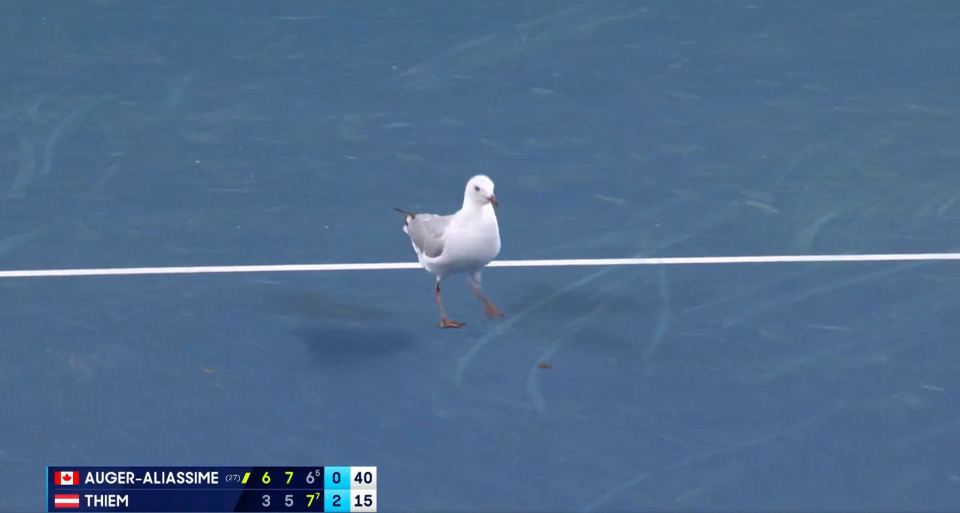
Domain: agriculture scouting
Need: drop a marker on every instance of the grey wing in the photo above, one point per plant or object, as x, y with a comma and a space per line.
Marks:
426, 231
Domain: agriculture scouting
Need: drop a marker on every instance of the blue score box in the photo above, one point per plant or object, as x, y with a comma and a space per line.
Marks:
213, 489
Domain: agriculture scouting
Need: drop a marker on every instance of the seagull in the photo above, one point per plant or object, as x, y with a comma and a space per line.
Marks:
462, 242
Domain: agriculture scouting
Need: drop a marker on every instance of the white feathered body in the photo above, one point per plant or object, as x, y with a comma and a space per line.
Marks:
462, 242
473, 241
470, 242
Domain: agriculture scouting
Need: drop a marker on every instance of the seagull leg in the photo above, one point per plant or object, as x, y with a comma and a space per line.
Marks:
444, 321
488, 307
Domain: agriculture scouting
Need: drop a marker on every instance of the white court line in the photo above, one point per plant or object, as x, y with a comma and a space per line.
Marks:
574, 262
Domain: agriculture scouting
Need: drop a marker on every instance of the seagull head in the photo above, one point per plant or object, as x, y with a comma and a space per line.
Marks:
479, 192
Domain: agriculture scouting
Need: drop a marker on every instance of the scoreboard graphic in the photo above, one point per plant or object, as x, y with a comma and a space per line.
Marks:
212, 489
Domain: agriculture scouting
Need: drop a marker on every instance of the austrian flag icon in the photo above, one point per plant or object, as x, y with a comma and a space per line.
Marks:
66, 500
66, 477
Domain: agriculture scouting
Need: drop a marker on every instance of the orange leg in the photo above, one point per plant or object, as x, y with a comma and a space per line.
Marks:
445, 322
489, 308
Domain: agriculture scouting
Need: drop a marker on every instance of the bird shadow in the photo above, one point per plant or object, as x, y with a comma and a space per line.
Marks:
312, 305
349, 345
335, 331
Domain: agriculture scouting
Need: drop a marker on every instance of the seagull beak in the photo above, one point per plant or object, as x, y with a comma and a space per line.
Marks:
493, 200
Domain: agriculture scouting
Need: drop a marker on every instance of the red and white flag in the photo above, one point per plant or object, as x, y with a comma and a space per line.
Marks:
66, 501
66, 477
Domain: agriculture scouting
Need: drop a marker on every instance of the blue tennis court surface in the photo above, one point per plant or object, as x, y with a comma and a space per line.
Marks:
173, 134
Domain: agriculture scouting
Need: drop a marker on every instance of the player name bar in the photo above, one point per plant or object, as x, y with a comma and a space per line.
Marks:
214, 489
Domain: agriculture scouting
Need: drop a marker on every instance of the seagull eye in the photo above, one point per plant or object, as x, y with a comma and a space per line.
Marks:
476, 188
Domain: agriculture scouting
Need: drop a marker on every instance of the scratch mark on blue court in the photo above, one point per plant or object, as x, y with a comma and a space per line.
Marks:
663, 319
49, 149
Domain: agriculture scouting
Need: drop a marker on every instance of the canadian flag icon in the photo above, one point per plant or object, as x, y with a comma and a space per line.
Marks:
66, 477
